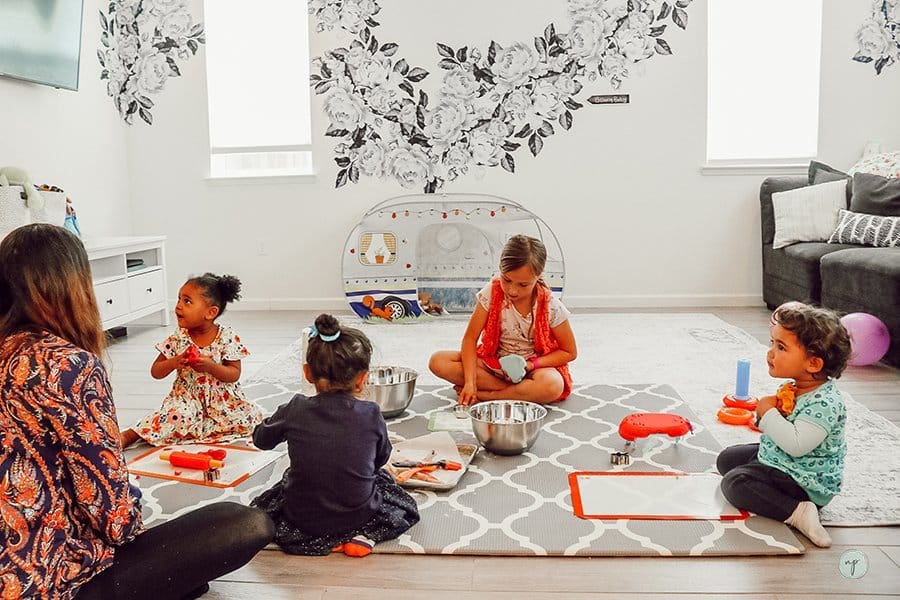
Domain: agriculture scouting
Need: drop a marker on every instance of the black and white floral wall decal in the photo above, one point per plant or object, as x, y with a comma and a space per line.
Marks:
492, 103
143, 44
879, 35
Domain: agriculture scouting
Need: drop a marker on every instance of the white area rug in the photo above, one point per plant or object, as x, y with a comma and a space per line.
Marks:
695, 353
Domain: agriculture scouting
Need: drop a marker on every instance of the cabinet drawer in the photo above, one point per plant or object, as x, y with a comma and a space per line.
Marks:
146, 289
112, 299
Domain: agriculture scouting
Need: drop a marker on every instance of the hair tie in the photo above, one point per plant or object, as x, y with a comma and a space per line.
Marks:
332, 337
313, 332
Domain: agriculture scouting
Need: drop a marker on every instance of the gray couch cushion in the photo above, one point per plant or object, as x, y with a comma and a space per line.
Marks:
875, 195
822, 173
865, 280
862, 275
794, 270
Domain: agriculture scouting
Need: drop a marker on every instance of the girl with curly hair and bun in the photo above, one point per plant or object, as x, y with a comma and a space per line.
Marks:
206, 403
335, 496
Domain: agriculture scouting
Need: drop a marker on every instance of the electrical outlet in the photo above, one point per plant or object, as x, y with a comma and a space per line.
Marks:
261, 248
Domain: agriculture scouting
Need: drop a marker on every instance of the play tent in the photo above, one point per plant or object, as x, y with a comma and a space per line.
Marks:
429, 254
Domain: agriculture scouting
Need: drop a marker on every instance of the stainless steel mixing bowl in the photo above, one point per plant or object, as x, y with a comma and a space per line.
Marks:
507, 426
391, 388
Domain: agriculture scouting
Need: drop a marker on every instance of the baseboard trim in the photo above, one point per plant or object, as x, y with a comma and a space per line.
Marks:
663, 301
608, 301
320, 304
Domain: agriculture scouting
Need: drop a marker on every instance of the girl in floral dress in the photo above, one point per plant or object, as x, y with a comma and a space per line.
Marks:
206, 404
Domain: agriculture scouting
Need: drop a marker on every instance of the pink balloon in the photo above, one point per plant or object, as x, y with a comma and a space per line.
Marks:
869, 338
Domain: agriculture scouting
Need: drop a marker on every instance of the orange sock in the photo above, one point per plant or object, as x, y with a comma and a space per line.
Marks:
359, 546
338, 548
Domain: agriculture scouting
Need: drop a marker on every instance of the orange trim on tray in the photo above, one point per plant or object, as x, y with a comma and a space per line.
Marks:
578, 507
166, 476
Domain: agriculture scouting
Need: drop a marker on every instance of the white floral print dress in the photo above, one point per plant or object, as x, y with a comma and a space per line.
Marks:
201, 408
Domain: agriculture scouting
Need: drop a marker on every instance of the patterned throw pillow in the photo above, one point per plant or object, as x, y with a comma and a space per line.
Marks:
886, 164
866, 230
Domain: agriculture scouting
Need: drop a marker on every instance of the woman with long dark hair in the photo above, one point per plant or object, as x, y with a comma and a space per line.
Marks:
71, 522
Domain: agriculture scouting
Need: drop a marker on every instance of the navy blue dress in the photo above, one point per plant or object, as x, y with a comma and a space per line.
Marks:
334, 488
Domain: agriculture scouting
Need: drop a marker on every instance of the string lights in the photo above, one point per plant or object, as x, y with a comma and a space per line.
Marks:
501, 209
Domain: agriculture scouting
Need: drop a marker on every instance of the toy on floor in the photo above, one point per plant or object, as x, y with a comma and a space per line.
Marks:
740, 406
641, 425
733, 415
429, 305
869, 338
741, 397
203, 461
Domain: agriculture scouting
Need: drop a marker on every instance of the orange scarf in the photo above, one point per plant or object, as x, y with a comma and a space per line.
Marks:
544, 340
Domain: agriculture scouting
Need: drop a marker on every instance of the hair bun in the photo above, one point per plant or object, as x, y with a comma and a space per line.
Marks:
229, 286
327, 324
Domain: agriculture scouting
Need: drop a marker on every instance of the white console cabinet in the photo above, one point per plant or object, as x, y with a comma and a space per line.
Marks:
129, 278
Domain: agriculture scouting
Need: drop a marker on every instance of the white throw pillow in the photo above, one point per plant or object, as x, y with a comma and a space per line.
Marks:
808, 214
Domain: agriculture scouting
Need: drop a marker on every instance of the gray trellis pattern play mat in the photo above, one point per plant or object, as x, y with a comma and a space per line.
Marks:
520, 505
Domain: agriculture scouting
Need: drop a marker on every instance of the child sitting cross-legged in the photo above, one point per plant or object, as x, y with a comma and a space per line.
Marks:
335, 495
797, 466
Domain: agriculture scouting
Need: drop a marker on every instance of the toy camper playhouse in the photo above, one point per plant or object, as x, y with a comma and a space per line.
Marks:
423, 254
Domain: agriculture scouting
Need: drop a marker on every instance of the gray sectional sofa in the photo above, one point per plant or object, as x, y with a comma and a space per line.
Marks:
847, 278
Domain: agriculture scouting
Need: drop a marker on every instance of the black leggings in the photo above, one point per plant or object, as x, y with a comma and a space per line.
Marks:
750, 485
175, 558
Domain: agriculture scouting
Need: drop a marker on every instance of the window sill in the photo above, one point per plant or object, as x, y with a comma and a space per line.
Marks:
768, 169
302, 178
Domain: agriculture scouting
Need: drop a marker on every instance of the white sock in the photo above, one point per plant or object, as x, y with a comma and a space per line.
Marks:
805, 519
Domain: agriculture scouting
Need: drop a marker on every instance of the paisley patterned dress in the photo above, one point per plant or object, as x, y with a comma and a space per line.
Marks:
201, 408
65, 503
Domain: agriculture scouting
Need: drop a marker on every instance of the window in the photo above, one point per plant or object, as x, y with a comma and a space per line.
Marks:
257, 70
763, 78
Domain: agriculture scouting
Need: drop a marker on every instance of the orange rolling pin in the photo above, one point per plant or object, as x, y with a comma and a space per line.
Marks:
188, 460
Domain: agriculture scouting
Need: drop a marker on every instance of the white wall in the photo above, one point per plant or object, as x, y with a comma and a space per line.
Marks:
71, 139
639, 224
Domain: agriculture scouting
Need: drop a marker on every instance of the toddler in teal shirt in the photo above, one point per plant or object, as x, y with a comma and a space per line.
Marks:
798, 464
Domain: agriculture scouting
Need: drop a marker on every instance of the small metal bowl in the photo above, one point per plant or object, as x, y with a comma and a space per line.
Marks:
507, 427
391, 388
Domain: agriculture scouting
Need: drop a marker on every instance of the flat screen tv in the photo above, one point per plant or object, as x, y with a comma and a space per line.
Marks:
41, 41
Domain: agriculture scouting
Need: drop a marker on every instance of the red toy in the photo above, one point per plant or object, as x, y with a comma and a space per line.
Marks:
188, 460
192, 356
735, 415
641, 425
731, 402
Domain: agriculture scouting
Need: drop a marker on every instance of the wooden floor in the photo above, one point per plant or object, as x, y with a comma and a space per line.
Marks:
274, 575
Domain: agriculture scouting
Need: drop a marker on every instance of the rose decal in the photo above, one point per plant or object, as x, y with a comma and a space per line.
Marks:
493, 102
143, 40
879, 36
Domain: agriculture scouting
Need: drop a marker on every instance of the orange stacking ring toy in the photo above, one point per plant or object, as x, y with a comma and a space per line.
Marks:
749, 404
735, 416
